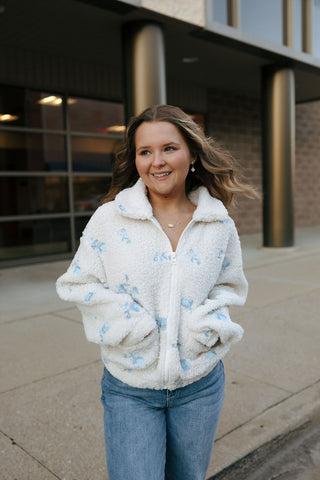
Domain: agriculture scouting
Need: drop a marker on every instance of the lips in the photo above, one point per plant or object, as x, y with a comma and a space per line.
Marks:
161, 174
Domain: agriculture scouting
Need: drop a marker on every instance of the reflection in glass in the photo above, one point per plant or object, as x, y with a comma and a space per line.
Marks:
30, 238
316, 28
262, 19
220, 13
96, 116
93, 154
80, 225
32, 152
297, 25
7, 117
88, 192
32, 195
24, 105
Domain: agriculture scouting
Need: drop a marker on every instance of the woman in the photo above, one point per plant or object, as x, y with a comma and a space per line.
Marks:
158, 265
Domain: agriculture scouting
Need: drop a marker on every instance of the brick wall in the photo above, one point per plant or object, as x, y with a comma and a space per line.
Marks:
235, 121
307, 176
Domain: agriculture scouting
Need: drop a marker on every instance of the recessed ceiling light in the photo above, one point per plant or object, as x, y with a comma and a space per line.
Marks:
52, 100
7, 117
55, 101
116, 129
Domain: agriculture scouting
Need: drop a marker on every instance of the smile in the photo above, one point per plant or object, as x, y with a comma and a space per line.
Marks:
159, 175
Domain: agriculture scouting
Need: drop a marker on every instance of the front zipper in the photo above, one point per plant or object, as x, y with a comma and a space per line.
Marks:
173, 255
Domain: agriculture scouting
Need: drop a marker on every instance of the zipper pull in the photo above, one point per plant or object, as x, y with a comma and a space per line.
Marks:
174, 258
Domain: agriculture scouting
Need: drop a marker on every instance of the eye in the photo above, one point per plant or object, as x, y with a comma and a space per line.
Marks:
169, 149
144, 152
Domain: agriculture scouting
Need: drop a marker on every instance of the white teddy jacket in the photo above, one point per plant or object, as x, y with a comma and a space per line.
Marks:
127, 282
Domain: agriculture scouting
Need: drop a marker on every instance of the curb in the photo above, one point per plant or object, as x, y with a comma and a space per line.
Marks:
248, 446
255, 460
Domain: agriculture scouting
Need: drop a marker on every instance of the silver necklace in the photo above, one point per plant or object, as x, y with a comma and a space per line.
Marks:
173, 225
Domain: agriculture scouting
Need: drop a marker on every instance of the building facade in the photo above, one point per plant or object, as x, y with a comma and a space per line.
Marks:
73, 72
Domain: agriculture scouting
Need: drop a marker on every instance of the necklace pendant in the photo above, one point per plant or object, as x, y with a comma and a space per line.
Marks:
170, 225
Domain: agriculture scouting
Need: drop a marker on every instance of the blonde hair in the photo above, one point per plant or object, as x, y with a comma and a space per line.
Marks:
214, 168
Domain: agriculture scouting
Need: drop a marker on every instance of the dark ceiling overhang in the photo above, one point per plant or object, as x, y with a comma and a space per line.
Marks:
87, 30
111, 5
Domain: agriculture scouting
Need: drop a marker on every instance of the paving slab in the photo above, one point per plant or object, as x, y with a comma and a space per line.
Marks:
29, 290
280, 346
296, 271
307, 241
265, 291
245, 398
71, 313
58, 421
41, 346
285, 280
16, 464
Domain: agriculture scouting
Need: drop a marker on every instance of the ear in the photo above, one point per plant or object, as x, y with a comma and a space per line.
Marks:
194, 157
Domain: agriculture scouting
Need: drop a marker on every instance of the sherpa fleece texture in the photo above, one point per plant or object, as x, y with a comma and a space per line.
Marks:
160, 317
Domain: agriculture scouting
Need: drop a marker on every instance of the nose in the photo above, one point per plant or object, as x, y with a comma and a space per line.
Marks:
158, 160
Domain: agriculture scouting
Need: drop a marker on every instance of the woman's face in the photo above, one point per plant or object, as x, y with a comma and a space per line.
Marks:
162, 158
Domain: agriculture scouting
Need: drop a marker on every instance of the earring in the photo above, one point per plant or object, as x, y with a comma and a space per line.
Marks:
192, 168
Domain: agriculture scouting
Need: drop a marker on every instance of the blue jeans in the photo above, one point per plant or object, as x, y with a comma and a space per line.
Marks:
161, 434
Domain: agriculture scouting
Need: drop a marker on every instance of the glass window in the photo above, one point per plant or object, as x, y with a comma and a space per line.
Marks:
30, 238
95, 116
88, 192
93, 154
262, 19
297, 25
32, 195
28, 108
80, 225
316, 28
75, 140
32, 151
220, 11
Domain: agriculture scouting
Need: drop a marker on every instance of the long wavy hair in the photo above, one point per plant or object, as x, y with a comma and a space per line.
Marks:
214, 167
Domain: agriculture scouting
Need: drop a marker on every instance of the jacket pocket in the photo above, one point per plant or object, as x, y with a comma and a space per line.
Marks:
191, 342
204, 333
135, 357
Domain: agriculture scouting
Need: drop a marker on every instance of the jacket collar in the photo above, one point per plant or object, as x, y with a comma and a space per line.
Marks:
133, 203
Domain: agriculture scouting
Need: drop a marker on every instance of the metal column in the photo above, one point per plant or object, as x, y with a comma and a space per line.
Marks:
278, 156
144, 67
307, 7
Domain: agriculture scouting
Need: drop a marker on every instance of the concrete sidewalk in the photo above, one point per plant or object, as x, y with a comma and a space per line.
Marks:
51, 415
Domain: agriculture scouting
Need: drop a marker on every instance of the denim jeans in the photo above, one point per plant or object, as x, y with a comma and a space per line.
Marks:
161, 434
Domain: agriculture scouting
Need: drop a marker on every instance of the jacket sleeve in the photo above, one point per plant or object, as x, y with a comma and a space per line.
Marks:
109, 318
210, 322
